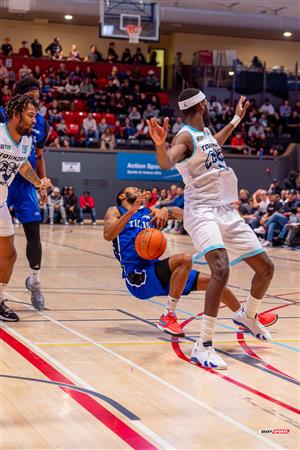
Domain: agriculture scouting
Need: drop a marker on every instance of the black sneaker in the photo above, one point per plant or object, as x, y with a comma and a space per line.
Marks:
7, 314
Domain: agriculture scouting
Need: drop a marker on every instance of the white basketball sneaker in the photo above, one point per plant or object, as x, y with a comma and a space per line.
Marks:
207, 357
253, 325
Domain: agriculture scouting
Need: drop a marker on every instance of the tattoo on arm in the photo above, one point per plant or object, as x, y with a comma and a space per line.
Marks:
29, 174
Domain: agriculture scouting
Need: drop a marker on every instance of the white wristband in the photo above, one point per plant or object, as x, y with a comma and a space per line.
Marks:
235, 121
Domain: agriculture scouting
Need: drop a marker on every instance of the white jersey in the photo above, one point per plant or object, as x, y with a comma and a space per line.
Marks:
12, 156
207, 179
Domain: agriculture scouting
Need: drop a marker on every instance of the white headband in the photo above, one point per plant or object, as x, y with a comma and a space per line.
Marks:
189, 102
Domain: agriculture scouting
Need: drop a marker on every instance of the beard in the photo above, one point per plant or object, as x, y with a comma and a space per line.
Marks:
131, 198
22, 130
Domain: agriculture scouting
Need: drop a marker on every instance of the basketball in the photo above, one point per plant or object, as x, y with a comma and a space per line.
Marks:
150, 243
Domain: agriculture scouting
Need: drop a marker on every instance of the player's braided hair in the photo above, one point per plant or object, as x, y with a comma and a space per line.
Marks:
185, 95
18, 104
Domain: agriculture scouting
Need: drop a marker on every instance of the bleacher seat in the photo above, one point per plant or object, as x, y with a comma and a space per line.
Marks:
163, 98
110, 118
79, 116
79, 105
73, 129
97, 117
68, 116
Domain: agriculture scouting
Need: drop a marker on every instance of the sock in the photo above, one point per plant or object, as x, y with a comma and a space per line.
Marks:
1, 292
237, 310
35, 276
171, 305
252, 306
207, 330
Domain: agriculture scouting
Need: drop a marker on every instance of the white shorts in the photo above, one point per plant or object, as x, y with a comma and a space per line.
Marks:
212, 227
6, 225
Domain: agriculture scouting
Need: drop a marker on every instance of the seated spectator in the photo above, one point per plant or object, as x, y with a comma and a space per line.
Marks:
154, 197
134, 115
128, 130
114, 77
175, 200
107, 141
89, 125
126, 57
55, 49
118, 103
62, 72
74, 53
86, 88
77, 75
152, 82
43, 109
54, 113
52, 138
267, 107
6, 47
36, 73
118, 130
291, 181
138, 57
71, 205
56, 207
285, 112
24, 49
126, 89
90, 74
238, 141
24, 72
94, 55
142, 130
36, 49
178, 124
112, 55
214, 107
273, 206
72, 89
150, 112
3, 70
294, 126
87, 206
102, 126
256, 130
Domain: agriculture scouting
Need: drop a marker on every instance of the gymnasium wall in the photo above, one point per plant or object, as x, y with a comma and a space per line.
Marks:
99, 171
273, 52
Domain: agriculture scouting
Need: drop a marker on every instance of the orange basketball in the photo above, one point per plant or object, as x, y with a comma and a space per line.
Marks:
150, 243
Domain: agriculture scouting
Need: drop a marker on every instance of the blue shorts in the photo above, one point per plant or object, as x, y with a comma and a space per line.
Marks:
144, 283
23, 197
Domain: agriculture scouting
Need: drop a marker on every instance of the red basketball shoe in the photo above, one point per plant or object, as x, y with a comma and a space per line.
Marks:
266, 319
168, 324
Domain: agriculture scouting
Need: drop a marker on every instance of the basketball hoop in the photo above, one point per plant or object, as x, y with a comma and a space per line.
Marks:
134, 32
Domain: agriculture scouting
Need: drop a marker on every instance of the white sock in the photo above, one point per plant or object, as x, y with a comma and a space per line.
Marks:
252, 306
207, 328
171, 305
35, 276
1, 292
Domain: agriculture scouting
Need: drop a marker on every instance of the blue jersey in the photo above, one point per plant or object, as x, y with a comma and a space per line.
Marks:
123, 245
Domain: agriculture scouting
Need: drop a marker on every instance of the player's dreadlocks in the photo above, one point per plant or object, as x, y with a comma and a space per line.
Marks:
18, 104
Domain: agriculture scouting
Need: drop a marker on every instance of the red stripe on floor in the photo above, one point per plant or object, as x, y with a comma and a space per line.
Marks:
111, 421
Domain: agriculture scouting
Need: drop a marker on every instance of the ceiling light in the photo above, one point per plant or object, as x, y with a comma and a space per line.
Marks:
287, 34
231, 73
68, 17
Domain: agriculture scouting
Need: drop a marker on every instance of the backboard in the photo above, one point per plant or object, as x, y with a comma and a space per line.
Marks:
116, 15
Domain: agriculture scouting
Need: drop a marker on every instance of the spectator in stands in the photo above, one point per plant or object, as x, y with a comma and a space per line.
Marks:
89, 125
72, 89
294, 126
102, 126
256, 63
6, 47
152, 82
62, 72
178, 71
149, 112
63, 133
74, 53
112, 55
52, 138
24, 49
267, 107
153, 60
285, 112
3, 70
176, 226
90, 74
77, 75
178, 124
142, 130
128, 129
154, 197
138, 57
55, 49
36, 73
291, 181
238, 141
71, 205
24, 72
87, 206
54, 113
56, 207
126, 57
94, 55
107, 141
86, 88
273, 206
43, 109
256, 130
134, 115
36, 49
214, 107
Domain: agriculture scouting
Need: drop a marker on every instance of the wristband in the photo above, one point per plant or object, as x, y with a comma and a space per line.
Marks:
235, 121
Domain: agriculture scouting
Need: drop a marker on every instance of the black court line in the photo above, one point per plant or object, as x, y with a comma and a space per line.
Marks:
108, 400
241, 357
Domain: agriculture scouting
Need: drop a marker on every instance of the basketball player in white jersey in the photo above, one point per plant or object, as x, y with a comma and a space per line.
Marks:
217, 230
15, 147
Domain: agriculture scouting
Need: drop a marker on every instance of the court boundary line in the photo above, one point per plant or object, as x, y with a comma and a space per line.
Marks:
172, 387
45, 367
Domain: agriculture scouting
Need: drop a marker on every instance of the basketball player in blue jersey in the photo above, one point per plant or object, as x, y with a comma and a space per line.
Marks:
171, 277
217, 230
23, 197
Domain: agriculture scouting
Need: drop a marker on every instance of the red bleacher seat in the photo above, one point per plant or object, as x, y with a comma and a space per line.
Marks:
110, 118
68, 116
73, 129
79, 105
97, 117
163, 98
79, 116
101, 83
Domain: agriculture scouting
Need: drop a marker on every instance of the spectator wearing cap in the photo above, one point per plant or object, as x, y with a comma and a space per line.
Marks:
56, 207
87, 206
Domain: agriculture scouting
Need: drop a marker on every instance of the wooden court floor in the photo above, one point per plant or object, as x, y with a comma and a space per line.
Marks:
93, 372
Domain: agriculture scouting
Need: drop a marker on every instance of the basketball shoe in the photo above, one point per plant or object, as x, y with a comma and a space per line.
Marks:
207, 357
7, 314
168, 324
37, 296
253, 325
267, 319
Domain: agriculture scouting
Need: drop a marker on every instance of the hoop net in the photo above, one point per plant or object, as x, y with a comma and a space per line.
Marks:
134, 32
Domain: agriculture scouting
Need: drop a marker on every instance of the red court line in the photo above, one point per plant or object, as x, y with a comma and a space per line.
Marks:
111, 421
181, 355
279, 307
